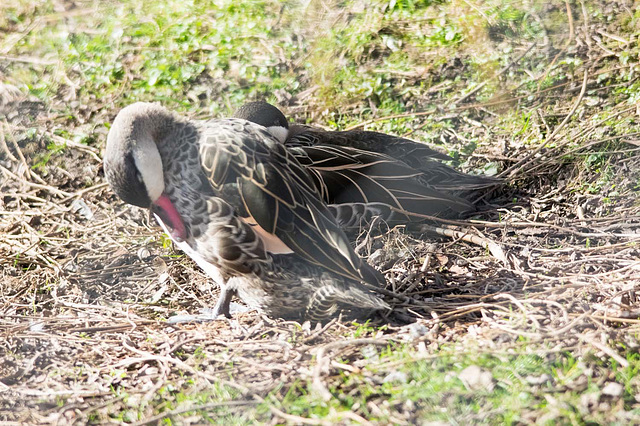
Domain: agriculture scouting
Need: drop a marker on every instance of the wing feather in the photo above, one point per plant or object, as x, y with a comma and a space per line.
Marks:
345, 174
278, 193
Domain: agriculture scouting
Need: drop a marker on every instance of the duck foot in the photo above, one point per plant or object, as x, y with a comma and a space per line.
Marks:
223, 306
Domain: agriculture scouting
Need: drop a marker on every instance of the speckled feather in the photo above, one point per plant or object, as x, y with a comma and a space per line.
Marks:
347, 175
278, 193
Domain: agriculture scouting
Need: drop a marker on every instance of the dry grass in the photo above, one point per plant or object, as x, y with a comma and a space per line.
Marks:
86, 283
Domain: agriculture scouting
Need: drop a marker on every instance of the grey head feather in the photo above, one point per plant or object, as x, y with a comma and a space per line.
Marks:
262, 113
132, 164
267, 116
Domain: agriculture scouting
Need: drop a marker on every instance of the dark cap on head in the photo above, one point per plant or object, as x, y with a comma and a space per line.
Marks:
262, 113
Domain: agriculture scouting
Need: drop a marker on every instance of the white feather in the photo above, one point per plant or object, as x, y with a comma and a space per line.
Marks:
279, 132
149, 164
207, 267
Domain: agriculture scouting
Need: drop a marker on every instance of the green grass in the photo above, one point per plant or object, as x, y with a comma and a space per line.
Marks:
556, 386
438, 394
156, 51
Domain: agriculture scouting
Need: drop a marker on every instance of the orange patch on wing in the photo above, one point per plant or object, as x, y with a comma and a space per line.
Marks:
272, 244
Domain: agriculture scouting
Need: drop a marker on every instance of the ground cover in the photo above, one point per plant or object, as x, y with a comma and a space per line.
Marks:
539, 325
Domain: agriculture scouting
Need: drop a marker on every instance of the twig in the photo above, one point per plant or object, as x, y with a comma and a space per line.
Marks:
570, 18
493, 248
581, 134
606, 349
27, 170
93, 152
519, 305
321, 362
48, 188
3, 144
398, 296
296, 419
613, 37
318, 333
431, 248
585, 23
83, 191
476, 105
390, 117
145, 357
203, 407
520, 164
27, 60
564, 48
599, 141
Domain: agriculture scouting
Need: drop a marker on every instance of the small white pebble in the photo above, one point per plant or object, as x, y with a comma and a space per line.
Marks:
151, 371
143, 253
475, 378
612, 389
538, 380
37, 326
396, 377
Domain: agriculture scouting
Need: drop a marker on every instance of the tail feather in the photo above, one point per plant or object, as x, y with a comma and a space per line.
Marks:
331, 300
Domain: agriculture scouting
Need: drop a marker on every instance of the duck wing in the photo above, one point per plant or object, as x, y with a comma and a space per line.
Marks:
394, 146
413, 154
346, 176
277, 193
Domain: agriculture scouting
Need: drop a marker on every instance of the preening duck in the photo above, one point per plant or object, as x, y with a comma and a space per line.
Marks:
244, 208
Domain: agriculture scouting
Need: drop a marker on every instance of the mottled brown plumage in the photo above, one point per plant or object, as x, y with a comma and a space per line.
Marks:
239, 203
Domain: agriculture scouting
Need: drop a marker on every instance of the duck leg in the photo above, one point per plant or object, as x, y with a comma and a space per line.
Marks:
222, 307
223, 303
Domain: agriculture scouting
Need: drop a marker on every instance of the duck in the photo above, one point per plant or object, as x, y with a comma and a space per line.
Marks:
362, 174
242, 206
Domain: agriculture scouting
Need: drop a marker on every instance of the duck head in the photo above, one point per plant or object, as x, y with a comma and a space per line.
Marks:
133, 166
266, 115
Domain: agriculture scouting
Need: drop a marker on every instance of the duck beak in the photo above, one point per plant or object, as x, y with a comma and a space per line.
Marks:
165, 211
